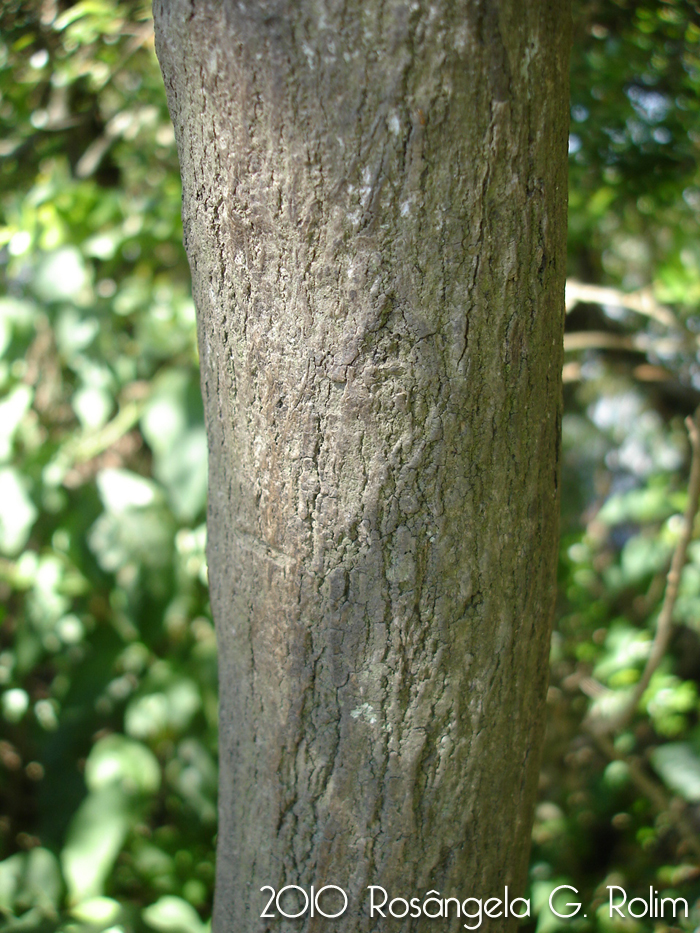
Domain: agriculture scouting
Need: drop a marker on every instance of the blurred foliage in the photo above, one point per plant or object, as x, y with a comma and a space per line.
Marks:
107, 654
624, 809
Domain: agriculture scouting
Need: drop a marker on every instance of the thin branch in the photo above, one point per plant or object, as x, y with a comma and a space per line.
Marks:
87, 446
642, 301
604, 340
598, 340
652, 790
600, 725
98, 148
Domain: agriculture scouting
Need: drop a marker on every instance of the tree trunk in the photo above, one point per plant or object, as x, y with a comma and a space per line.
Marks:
374, 213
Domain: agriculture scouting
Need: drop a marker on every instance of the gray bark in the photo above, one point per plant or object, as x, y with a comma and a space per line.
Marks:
374, 213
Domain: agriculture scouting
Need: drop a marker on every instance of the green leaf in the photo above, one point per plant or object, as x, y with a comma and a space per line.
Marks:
74, 332
95, 838
61, 275
678, 766
142, 536
15, 704
193, 775
30, 879
121, 490
11, 870
616, 774
184, 474
17, 512
169, 709
15, 314
173, 915
652, 503
547, 921
12, 410
643, 556
42, 884
626, 649
97, 911
92, 406
117, 760
173, 425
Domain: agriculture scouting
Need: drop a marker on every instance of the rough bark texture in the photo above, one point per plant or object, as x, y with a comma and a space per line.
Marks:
374, 210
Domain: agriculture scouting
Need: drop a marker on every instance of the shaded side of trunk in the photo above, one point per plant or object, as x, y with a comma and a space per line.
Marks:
374, 210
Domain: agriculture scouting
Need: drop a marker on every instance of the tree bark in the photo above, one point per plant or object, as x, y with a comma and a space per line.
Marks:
374, 213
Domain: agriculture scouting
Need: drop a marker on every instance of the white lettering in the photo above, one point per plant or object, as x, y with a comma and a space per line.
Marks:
562, 887
399, 900
292, 887
673, 903
433, 897
478, 916
329, 887
378, 907
617, 907
526, 902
